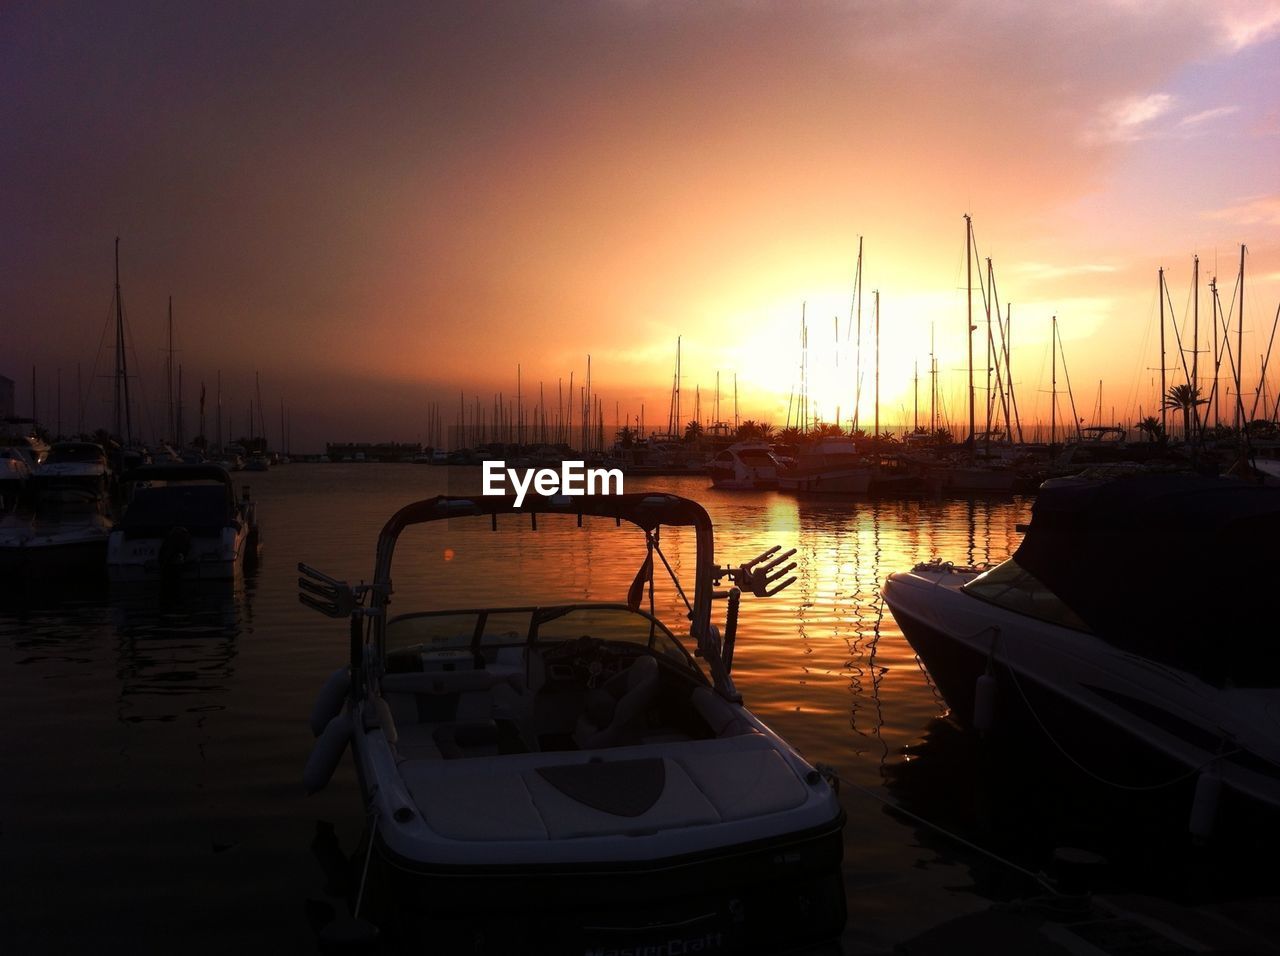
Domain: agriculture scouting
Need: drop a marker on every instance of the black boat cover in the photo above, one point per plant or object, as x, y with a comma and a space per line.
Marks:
1181, 569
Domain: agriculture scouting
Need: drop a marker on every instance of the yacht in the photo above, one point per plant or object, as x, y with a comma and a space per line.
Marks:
182, 522
744, 465
828, 465
62, 530
574, 763
1129, 624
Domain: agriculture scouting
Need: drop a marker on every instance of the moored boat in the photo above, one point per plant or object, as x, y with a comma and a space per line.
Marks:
61, 534
830, 465
1078, 635
183, 522
744, 466
575, 761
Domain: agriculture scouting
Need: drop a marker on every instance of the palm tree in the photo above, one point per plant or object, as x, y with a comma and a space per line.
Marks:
766, 430
790, 435
1185, 397
1151, 427
693, 431
748, 429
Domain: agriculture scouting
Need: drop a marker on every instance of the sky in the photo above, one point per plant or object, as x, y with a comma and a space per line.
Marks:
371, 208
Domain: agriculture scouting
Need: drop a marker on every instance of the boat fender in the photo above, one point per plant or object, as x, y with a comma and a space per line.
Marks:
984, 703
1204, 806
326, 753
329, 700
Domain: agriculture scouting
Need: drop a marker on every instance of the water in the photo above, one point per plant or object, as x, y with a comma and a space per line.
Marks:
151, 791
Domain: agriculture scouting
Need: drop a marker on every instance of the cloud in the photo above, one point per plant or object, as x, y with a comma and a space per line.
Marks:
1257, 210
1131, 118
1204, 116
1247, 22
1044, 270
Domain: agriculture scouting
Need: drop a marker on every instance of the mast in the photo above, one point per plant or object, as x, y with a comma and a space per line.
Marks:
1164, 410
933, 382
1195, 326
857, 361
968, 271
1217, 359
915, 398
1240, 422
123, 415
168, 371
877, 295
1053, 394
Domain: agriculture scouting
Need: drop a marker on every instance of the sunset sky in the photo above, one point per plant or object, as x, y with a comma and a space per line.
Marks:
380, 205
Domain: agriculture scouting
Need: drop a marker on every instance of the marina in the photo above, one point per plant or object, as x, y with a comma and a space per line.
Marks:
184, 720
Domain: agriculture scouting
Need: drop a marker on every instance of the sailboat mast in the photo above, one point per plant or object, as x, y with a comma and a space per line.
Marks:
857, 361
1217, 358
877, 295
968, 271
123, 415
168, 368
1053, 393
1195, 325
1240, 422
1164, 410
915, 398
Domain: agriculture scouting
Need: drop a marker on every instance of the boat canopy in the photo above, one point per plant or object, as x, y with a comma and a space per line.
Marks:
1181, 569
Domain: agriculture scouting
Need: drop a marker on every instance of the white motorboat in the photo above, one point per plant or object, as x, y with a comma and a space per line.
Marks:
62, 534
744, 466
831, 465
573, 763
1085, 635
182, 522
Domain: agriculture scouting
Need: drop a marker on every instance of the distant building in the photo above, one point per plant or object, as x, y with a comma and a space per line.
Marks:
368, 451
7, 409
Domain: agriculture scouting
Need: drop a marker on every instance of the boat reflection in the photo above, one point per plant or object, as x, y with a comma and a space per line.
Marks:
176, 647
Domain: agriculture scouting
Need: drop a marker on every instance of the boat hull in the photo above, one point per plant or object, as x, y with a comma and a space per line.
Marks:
61, 561
764, 897
1121, 717
139, 560
855, 481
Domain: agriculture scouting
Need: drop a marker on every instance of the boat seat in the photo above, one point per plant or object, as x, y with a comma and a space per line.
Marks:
428, 706
614, 713
720, 716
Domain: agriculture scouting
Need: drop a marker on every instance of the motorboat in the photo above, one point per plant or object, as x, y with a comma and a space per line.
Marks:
15, 471
60, 528
828, 465
182, 522
1129, 626
744, 466
574, 763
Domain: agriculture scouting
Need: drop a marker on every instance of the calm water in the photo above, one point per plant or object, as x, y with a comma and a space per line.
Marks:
151, 789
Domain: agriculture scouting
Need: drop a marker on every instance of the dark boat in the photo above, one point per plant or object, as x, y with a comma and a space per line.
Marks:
1131, 625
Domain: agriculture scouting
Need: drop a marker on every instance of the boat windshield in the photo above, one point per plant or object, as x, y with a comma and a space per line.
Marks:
1011, 586
478, 634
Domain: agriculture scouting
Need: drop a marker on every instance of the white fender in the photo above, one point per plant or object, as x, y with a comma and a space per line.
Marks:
327, 752
329, 700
